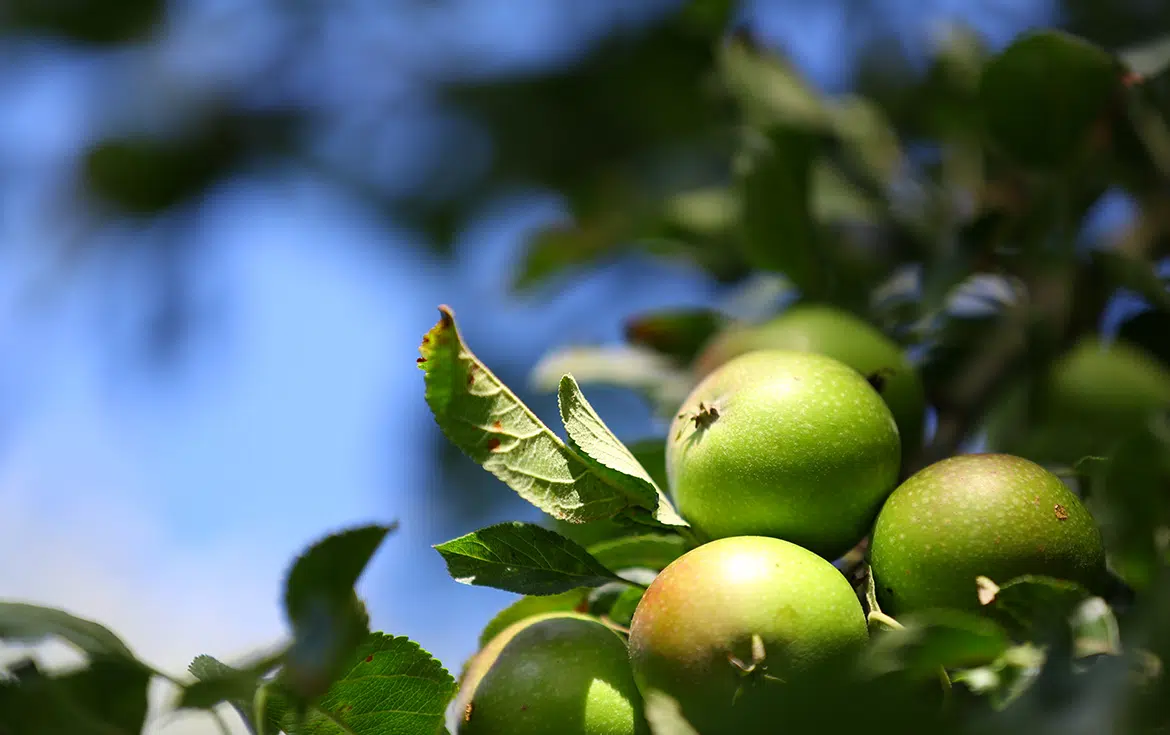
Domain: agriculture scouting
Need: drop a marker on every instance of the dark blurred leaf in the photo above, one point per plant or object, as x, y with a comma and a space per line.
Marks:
1131, 502
709, 17
678, 333
941, 104
327, 618
616, 602
1139, 276
1116, 23
107, 698
1033, 604
145, 176
557, 249
778, 229
572, 600
88, 21
1042, 96
1149, 330
522, 558
24, 623
930, 640
390, 685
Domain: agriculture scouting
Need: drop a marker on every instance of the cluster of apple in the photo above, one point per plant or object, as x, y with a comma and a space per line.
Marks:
787, 453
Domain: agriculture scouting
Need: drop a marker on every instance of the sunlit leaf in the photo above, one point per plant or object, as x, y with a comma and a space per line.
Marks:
485, 419
607, 456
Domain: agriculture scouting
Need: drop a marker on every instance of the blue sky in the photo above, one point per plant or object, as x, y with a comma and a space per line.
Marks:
168, 503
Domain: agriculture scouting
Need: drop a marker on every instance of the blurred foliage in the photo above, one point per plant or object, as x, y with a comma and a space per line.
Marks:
946, 200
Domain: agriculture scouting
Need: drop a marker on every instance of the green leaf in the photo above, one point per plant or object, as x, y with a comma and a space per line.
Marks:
1042, 96
327, 618
218, 682
555, 250
676, 333
482, 417
616, 602
939, 638
24, 623
652, 551
1035, 604
107, 698
526, 607
769, 91
778, 229
390, 685
657, 378
607, 456
522, 558
1005, 679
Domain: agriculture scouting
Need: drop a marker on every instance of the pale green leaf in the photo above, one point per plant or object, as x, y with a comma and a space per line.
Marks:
607, 456
481, 416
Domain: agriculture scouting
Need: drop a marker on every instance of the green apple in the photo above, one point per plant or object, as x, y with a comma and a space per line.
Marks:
831, 331
992, 515
793, 445
736, 628
1093, 396
551, 674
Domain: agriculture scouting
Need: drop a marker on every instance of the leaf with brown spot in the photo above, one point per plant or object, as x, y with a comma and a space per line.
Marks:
402, 689
486, 420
